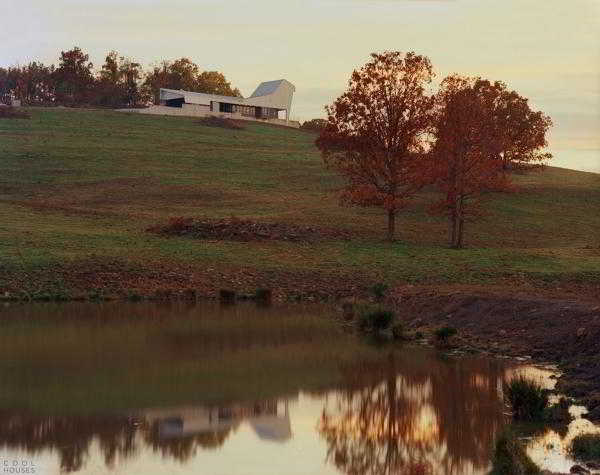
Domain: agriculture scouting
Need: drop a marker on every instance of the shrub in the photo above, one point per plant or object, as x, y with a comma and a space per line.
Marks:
443, 334
527, 399
9, 112
314, 125
227, 296
379, 290
511, 459
221, 122
398, 331
375, 318
263, 295
586, 447
176, 226
558, 412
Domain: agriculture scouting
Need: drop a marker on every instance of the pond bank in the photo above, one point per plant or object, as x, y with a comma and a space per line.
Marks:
562, 331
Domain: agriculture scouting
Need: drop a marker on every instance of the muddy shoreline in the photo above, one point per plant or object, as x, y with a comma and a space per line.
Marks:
563, 332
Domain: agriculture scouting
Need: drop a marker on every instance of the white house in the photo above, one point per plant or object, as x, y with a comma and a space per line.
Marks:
270, 102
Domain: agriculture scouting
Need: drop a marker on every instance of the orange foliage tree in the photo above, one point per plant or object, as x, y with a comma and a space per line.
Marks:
519, 133
376, 131
477, 132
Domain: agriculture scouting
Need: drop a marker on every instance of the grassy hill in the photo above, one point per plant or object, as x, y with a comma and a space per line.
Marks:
79, 187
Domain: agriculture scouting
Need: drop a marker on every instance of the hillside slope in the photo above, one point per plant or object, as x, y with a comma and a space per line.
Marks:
78, 188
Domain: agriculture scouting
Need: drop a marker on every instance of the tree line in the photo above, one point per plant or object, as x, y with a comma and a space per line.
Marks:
120, 82
390, 135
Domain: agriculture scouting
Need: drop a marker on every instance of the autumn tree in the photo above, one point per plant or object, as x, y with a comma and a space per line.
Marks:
471, 128
32, 83
117, 83
73, 77
376, 130
518, 131
186, 75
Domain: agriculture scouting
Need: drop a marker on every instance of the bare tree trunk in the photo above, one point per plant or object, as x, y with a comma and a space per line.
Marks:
460, 223
457, 224
391, 224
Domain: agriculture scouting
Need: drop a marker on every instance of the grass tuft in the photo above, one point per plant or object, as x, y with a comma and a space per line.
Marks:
586, 447
527, 399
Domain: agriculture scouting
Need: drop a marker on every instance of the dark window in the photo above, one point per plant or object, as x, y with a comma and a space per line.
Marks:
175, 102
223, 107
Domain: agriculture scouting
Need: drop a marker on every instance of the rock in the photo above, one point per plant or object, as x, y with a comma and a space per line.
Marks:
580, 332
593, 465
578, 469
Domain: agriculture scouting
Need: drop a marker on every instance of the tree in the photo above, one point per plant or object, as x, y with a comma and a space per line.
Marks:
32, 84
520, 133
117, 83
186, 75
73, 77
468, 136
376, 132
131, 73
214, 82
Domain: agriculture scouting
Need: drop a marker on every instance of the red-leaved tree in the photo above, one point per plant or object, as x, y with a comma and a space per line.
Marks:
464, 157
519, 133
376, 130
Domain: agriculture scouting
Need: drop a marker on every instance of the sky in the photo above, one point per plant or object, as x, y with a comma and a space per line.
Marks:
547, 50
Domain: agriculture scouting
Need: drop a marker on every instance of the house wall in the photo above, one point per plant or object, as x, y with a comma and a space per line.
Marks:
198, 110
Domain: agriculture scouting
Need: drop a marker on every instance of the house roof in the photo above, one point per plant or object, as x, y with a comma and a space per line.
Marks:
266, 88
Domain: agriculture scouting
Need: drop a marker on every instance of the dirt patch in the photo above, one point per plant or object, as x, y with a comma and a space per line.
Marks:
223, 123
244, 230
9, 112
565, 332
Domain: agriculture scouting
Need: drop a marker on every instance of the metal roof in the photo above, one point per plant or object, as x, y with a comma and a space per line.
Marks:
266, 88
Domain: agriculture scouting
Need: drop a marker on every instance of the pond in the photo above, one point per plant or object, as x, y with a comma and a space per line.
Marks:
155, 388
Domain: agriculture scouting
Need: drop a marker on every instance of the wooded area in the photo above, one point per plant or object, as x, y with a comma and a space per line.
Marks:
120, 82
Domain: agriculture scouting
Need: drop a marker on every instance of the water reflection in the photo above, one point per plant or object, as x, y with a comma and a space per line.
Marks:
442, 421
227, 391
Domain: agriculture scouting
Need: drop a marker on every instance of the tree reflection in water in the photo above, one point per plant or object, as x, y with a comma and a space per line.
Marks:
413, 412
416, 421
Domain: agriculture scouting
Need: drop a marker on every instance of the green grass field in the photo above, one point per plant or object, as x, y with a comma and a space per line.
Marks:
81, 183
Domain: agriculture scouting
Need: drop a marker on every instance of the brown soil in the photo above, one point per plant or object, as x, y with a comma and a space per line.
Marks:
558, 330
9, 112
245, 230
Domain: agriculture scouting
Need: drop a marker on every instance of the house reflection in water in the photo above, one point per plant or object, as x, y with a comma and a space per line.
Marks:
270, 420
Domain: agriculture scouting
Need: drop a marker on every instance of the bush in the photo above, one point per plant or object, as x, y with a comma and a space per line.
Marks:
176, 226
227, 296
586, 447
379, 290
559, 412
314, 125
398, 332
263, 295
9, 112
223, 123
511, 459
443, 334
375, 319
527, 399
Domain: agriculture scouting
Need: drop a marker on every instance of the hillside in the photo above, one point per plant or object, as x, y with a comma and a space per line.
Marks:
78, 188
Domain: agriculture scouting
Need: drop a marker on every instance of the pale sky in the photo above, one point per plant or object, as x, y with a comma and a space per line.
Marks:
548, 50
